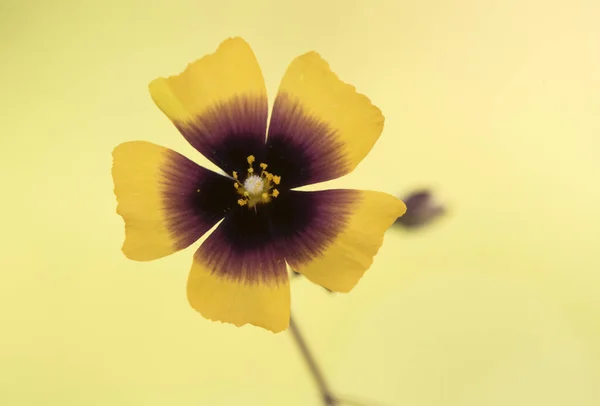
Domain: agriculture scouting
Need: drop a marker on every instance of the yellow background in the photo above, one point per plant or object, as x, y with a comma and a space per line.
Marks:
495, 104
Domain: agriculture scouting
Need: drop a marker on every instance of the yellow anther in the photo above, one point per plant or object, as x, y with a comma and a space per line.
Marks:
261, 188
198, 190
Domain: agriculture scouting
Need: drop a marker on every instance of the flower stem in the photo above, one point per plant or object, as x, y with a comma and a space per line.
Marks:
328, 398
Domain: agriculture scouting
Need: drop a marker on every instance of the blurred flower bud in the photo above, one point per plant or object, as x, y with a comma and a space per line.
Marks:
421, 209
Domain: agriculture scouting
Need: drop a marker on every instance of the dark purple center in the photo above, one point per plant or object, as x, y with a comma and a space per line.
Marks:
299, 148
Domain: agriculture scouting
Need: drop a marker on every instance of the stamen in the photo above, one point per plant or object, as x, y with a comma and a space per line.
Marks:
250, 160
256, 189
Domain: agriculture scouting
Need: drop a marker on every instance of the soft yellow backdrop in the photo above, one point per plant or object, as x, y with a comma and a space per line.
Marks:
495, 104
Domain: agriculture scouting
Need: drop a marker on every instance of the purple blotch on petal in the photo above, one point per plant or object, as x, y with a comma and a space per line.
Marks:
241, 249
194, 198
230, 131
300, 148
307, 223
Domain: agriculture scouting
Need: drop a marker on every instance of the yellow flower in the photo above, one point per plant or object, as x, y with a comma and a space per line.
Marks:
320, 129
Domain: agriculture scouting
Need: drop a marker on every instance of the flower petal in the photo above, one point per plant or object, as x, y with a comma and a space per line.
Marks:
219, 104
166, 200
337, 233
321, 128
238, 276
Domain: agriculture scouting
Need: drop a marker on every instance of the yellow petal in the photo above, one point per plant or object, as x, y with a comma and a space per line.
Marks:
331, 125
162, 199
219, 104
229, 72
341, 262
237, 285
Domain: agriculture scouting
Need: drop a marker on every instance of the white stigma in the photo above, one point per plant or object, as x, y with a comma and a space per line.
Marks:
254, 185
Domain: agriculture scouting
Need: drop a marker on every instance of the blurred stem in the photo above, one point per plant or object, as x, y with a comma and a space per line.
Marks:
326, 394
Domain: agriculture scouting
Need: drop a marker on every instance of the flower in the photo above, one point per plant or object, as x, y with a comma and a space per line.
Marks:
320, 129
